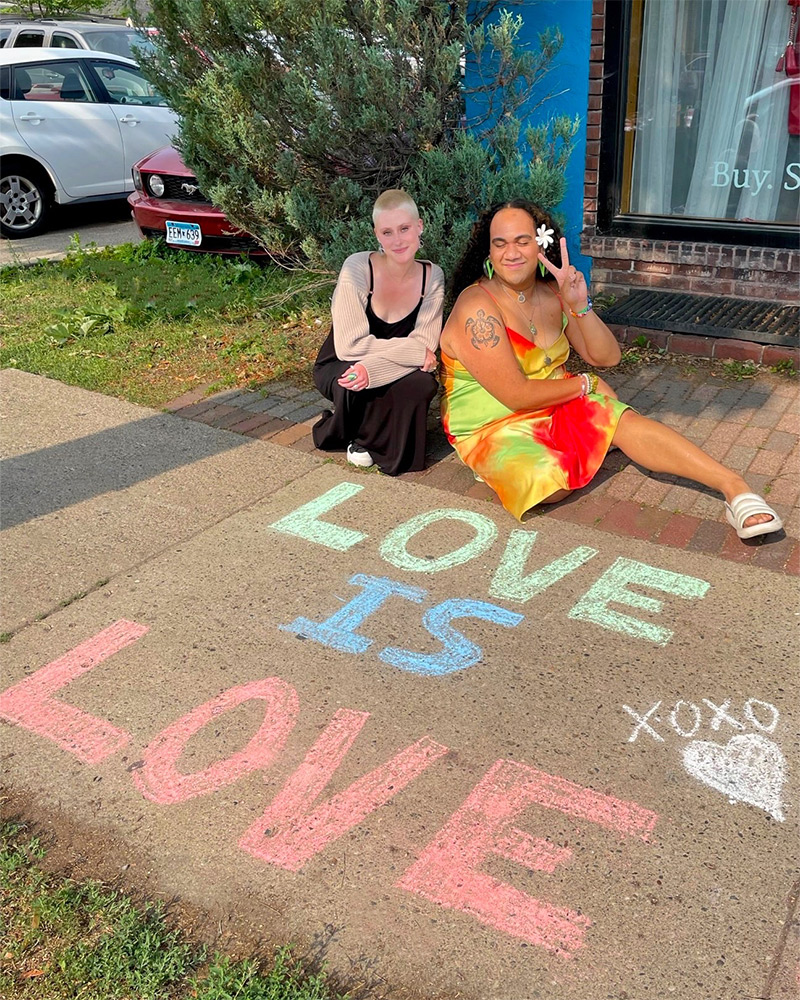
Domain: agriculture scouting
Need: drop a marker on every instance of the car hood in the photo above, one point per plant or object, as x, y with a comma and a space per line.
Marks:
166, 160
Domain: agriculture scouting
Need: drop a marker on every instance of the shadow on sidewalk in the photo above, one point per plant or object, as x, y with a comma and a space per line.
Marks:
50, 479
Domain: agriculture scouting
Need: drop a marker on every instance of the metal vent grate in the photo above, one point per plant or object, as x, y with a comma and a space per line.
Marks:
708, 316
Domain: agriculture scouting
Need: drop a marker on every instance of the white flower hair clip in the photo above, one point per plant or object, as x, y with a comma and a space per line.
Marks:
544, 236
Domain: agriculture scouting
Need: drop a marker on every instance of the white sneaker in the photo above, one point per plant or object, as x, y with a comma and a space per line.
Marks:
356, 455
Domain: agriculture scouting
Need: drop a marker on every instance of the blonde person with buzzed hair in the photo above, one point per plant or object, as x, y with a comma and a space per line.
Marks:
377, 364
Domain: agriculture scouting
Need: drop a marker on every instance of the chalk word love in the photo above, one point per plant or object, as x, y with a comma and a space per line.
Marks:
512, 581
748, 768
299, 823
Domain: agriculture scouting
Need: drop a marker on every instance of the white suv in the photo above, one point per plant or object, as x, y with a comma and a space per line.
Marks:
72, 125
97, 33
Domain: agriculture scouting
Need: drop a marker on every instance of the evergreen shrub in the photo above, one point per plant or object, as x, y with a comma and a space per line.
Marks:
295, 116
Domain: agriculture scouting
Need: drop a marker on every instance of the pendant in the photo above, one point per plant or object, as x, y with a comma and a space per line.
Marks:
547, 359
521, 297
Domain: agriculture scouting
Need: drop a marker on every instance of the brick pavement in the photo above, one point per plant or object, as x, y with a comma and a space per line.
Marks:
753, 426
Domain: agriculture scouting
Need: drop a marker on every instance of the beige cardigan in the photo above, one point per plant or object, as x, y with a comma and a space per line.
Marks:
385, 360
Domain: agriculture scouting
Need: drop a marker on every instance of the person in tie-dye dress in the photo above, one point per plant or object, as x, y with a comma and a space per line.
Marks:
528, 428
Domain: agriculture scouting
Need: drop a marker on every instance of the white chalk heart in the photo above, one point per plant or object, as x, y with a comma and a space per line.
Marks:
748, 769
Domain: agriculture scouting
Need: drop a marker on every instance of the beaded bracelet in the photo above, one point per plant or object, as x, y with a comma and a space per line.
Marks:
589, 381
583, 312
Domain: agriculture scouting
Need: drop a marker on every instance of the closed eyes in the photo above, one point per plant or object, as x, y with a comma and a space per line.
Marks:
520, 241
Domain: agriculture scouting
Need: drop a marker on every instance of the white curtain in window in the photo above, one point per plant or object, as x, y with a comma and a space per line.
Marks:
660, 71
732, 165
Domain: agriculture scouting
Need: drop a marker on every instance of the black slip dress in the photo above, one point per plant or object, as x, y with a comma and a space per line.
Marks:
388, 421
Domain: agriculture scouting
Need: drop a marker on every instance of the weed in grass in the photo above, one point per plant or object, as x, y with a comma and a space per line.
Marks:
285, 981
785, 367
79, 324
6, 637
65, 939
739, 370
641, 341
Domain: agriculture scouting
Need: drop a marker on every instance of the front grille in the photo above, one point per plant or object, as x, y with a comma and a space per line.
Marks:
708, 316
175, 192
225, 244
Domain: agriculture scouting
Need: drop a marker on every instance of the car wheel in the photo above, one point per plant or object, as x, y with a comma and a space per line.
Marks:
25, 196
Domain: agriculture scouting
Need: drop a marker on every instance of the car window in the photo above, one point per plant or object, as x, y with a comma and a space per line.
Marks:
4, 33
119, 43
61, 41
5, 82
56, 81
126, 84
29, 40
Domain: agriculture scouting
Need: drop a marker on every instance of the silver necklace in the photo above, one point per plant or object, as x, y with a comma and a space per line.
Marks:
521, 297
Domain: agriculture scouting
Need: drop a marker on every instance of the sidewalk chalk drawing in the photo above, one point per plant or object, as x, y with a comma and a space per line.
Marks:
457, 653
749, 768
496, 819
514, 580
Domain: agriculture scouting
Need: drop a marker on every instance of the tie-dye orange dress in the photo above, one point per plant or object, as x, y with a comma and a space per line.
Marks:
526, 455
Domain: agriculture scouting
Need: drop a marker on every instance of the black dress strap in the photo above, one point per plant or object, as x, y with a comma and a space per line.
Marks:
371, 275
424, 277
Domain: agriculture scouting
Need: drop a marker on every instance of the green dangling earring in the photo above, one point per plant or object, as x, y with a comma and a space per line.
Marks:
488, 269
542, 269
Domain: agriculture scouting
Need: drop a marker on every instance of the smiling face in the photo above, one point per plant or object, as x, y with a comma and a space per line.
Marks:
398, 231
513, 249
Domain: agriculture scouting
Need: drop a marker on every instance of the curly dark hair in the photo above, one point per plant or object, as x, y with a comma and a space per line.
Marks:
470, 267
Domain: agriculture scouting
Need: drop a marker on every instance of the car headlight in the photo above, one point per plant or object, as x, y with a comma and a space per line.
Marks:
156, 185
137, 179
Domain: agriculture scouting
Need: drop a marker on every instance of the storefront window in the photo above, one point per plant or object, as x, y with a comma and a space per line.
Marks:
712, 117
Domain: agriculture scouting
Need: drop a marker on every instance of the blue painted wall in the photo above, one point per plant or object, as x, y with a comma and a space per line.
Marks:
568, 82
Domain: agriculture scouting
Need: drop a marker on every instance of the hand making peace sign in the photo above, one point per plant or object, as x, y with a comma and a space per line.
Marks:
571, 283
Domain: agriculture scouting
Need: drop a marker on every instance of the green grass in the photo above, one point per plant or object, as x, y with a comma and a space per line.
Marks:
146, 323
64, 940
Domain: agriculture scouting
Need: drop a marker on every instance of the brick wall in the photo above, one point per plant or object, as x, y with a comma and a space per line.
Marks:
621, 264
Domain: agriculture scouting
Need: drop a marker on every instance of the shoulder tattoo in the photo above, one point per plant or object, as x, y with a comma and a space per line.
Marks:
482, 330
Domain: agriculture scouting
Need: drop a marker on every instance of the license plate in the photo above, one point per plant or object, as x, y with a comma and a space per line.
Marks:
185, 234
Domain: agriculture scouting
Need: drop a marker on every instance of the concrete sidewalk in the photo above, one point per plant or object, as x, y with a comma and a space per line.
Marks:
448, 755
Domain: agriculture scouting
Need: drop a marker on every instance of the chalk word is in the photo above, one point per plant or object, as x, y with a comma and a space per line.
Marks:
457, 653
299, 823
748, 768
511, 582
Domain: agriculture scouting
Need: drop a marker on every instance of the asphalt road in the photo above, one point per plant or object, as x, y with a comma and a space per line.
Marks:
105, 223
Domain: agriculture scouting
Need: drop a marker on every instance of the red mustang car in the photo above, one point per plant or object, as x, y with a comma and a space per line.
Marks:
168, 202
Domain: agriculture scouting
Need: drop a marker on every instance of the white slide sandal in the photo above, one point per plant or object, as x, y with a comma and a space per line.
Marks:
744, 506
